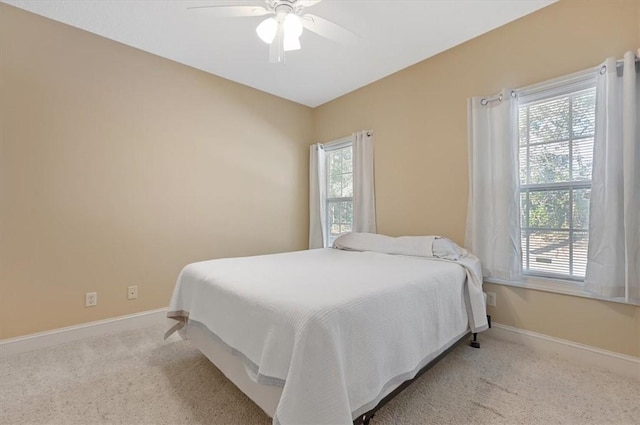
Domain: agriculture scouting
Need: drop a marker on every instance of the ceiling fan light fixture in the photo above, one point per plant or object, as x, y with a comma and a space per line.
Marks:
267, 30
291, 43
292, 25
292, 31
286, 22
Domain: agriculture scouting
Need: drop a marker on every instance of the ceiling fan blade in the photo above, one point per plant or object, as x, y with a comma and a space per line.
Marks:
223, 11
308, 3
328, 29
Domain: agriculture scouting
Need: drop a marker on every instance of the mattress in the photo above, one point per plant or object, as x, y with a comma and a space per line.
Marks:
266, 397
335, 330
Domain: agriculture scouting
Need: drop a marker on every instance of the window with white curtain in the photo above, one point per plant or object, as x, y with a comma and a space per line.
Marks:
554, 183
341, 189
556, 134
339, 202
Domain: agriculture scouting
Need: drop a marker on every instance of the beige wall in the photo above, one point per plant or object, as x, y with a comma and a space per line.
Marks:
611, 326
419, 118
118, 167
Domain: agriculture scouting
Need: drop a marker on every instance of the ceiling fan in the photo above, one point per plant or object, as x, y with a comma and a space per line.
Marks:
282, 31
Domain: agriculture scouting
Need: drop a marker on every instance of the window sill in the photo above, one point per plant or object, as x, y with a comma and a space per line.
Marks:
558, 286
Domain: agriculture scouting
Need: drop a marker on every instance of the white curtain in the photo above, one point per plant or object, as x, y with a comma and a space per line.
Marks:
493, 223
364, 201
317, 196
613, 264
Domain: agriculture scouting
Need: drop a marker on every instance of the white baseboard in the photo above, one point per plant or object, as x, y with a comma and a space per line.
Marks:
21, 344
617, 363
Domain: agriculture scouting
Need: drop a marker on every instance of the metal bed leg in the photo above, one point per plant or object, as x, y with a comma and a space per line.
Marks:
366, 419
474, 342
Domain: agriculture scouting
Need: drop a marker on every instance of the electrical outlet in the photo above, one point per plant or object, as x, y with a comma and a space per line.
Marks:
132, 292
491, 299
90, 299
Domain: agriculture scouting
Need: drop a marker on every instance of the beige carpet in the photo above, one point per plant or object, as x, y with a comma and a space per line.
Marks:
136, 378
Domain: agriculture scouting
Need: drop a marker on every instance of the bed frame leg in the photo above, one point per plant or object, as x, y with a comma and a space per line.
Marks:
474, 342
366, 419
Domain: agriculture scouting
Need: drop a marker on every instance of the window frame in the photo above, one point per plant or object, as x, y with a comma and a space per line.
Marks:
329, 147
550, 284
563, 86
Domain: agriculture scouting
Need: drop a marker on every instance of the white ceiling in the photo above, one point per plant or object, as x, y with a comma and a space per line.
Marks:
393, 35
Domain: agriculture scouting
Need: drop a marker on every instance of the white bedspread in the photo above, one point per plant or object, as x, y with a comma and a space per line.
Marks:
334, 328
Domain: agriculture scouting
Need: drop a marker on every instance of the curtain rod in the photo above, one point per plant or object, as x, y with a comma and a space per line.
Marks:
621, 61
576, 76
484, 101
343, 140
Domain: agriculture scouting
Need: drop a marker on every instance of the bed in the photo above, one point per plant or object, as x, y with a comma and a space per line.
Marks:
322, 336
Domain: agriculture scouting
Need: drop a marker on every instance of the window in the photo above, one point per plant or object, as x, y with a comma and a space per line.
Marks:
333, 182
339, 189
556, 132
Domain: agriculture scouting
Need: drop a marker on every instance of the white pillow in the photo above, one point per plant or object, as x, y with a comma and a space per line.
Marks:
446, 248
417, 246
